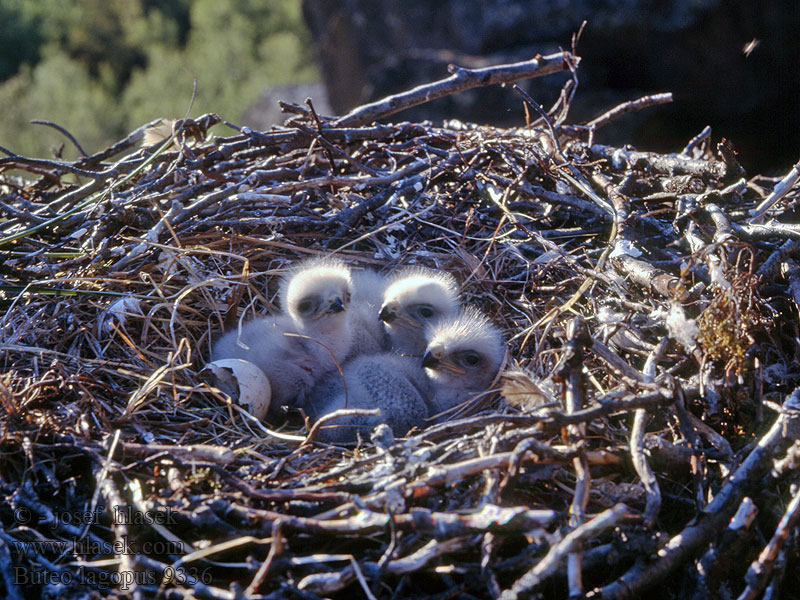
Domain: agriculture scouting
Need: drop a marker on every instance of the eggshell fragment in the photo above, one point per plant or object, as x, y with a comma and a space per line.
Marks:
243, 381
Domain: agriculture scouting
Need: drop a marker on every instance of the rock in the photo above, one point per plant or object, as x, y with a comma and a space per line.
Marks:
693, 48
265, 112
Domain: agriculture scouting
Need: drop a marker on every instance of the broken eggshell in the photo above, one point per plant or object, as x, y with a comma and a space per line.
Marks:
244, 382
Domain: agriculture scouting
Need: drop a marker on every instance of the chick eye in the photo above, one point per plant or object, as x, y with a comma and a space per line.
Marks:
305, 306
426, 312
472, 359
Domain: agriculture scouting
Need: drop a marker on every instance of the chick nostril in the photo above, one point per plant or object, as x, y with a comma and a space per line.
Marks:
336, 306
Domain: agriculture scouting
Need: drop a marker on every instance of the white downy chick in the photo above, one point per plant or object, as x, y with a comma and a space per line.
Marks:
316, 295
415, 298
462, 358
297, 349
394, 384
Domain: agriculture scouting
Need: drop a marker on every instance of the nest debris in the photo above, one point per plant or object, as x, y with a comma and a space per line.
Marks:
642, 438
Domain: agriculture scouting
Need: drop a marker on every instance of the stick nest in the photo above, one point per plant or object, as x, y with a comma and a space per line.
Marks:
652, 327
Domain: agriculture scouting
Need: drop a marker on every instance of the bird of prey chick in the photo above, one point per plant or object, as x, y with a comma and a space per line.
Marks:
316, 295
415, 298
395, 384
462, 358
296, 349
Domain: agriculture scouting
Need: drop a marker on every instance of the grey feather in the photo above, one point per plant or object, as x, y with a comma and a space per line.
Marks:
394, 384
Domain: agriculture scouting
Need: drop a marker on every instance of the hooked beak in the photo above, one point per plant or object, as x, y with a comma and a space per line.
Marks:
387, 315
336, 306
430, 361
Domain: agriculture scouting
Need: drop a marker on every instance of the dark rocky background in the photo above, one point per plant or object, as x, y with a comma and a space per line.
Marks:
695, 49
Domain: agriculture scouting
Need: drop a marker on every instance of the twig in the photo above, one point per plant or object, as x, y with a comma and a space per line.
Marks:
759, 572
695, 536
573, 541
456, 472
770, 268
629, 107
187, 454
571, 372
638, 457
127, 561
667, 164
735, 538
338, 414
327, 583
630, 375
782, 188
275, 495
7, 573
274, 551
459, 80
63, 131
693, 143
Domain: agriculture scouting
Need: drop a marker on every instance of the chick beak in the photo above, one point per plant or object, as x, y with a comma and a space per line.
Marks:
390, 314
387, 315
430, 361
336, 306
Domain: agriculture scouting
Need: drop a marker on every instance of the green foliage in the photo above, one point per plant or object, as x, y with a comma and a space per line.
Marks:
58, 89
173, 12
101, 68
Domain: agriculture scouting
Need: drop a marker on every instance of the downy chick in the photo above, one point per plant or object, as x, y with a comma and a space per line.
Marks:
284, 359
316, 295
296, 349
415, 298
463, 355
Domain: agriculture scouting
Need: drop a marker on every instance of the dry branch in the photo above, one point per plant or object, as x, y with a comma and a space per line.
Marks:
460, 79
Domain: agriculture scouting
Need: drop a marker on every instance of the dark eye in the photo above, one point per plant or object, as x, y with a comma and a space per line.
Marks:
305, 306
472, 358
426, 312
